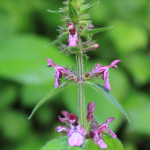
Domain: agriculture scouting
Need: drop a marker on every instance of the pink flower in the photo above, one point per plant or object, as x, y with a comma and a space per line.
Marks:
73, 39
98, 69
66, 118
75, 132
96, 46
90, 116
97, 134
59, 71
91, 26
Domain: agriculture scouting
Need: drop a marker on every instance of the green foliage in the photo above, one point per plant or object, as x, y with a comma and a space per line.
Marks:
104, 91
93, 31
53, 91
85, 8
62, 144
61, 37
25, 28
73, 14
111, 144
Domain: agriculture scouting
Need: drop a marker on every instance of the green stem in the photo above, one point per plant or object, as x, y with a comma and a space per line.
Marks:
82, 117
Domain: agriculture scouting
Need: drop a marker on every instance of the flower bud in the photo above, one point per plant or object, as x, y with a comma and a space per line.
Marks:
91, 26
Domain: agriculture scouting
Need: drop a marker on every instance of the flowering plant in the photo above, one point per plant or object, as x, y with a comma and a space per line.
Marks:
76, 38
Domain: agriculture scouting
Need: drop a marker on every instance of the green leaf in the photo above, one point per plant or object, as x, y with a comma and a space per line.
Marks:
62, 37
60, 144
107, 94
73, 13
84, 9
53, 91
112, 144
93, 31
56, 144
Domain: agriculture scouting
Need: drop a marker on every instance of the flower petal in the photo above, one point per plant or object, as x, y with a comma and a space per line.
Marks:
76, 139
102, 144
61, 129
50, 63
91, 107
110, 120
107, 84
114, 63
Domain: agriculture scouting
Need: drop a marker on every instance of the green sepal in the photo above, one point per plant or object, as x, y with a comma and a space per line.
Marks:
52, 92
60, 11
93, 31
73, 14
112, 144
108, 95
74, 49
61, 37
85, 58
85, 8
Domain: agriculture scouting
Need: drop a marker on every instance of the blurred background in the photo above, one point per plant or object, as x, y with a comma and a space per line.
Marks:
26, 27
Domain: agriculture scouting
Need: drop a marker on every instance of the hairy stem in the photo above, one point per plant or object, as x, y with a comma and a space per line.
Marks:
79, 58
82, 116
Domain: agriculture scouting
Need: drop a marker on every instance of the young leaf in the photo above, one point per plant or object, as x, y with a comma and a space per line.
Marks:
73, 13
73, 2
112, 144
84, 9
107, 94
53, 91
93, 31
60, 144
60, 38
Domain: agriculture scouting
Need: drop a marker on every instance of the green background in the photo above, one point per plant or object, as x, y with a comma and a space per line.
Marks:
26, 27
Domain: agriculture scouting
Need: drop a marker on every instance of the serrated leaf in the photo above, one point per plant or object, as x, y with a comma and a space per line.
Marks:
112, 144
93, 31
53, 91
60, 38
60, 144
108, 95
87, 8
73, 13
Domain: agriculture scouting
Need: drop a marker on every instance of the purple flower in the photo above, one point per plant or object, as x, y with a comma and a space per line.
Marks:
96, 46
66, 118
91, 26
73, 39
59, 71
97, 134
75, 132
90, 116
98, 69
